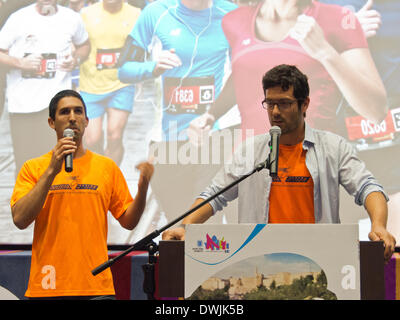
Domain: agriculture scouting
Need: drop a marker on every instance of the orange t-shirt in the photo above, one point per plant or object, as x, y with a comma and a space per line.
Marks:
291, 198
70, 233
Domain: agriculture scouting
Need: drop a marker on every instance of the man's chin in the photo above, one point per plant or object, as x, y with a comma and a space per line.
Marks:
48, 10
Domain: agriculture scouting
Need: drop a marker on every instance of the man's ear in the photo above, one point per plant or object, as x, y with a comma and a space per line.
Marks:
51, 123
305, 105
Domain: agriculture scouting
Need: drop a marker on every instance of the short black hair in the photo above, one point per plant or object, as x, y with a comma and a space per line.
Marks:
285, 76
62, 94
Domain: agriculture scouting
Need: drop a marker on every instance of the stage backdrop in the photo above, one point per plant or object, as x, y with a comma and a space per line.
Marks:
226, 47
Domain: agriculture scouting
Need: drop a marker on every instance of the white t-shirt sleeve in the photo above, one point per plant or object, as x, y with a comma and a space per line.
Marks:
80, 35
8, 32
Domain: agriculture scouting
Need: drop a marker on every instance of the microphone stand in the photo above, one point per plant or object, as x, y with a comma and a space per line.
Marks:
149, 283
147, 241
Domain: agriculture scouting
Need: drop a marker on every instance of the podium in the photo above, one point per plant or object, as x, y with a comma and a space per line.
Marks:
370, 256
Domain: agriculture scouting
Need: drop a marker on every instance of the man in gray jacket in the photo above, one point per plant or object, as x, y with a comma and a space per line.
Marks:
312, 165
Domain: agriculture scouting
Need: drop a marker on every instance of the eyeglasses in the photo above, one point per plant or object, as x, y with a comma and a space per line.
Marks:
282, 104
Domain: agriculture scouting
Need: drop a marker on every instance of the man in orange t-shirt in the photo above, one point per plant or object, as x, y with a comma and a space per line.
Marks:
70, 208
293, 196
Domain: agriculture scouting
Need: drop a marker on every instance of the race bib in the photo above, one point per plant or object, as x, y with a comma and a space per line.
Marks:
47, 68
359, 127
107, 58
189, 95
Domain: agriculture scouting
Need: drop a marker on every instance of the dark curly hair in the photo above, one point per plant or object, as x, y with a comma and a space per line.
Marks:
285, 76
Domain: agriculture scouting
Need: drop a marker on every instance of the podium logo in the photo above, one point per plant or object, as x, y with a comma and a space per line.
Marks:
212, 244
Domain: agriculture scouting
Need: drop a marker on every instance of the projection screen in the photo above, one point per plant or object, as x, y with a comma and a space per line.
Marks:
218, 56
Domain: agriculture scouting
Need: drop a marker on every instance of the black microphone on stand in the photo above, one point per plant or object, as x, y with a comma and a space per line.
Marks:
273, 157
68, 158
270, 163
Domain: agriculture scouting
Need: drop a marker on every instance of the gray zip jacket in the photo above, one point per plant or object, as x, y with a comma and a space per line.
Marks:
330, 159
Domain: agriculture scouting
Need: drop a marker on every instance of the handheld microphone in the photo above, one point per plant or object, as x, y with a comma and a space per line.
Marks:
68, 158
275, 133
